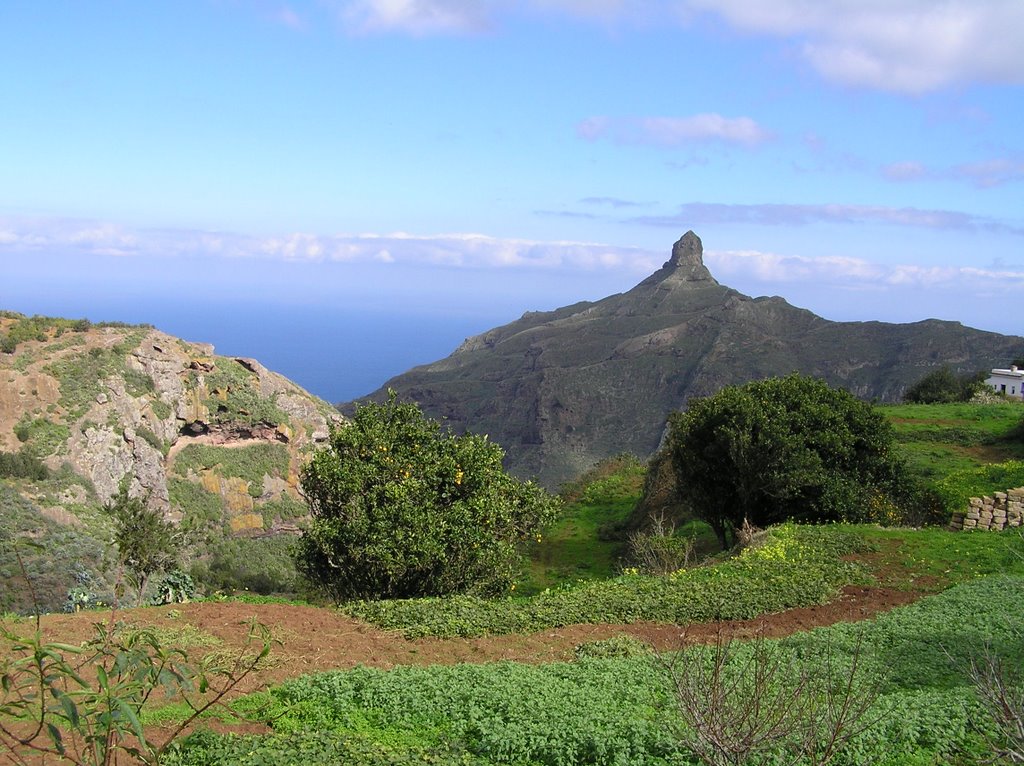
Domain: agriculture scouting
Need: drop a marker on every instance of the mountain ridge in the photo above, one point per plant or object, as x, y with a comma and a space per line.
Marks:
562, 389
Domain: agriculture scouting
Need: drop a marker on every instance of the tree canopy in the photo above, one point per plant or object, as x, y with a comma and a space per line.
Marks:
943, 386
403, 507
782, 448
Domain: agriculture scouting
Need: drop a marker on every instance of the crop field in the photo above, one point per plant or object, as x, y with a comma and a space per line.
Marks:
879, 645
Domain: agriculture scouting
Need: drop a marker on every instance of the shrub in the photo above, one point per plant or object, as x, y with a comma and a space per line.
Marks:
659, 550
778, 449
175, 587
403, 507
22, 465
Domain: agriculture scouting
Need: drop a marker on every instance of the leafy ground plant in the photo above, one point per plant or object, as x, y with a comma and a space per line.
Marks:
82, 703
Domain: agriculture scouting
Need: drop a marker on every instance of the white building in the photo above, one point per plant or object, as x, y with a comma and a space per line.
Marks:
1009, 382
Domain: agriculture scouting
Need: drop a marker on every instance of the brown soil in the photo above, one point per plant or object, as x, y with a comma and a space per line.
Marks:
314, 639
310, 639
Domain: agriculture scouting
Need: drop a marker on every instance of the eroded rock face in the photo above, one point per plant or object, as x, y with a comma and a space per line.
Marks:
117, 404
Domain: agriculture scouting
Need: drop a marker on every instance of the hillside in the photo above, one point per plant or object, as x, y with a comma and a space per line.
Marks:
562, 389
213, 442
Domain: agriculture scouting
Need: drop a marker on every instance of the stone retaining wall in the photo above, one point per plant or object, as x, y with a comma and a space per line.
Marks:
1003, 509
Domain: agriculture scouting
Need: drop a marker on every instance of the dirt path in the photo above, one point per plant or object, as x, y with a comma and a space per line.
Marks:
314, 639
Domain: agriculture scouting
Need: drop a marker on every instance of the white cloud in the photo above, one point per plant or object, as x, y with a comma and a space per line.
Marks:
416, 17
983, 174
674, 131
905, 171
287, 16
853, 273
460, 250
989, 173
696, 213
910, 46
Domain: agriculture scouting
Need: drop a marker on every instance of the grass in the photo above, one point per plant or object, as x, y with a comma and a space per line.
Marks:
574, 548
938, 439
934, 558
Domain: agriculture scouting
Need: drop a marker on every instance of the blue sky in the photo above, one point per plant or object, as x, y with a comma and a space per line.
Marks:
411, 171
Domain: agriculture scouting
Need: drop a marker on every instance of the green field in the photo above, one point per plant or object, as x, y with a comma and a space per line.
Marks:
912, 675
938, 439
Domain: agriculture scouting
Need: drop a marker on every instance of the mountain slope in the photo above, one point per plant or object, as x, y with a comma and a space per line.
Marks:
560, 390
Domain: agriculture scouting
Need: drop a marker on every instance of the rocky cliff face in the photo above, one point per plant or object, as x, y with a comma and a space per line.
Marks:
190, 431
560, 390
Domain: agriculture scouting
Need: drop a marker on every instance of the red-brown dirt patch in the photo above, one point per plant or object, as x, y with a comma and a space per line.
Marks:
313, 639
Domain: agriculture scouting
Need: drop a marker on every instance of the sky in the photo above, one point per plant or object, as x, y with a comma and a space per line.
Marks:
346, 188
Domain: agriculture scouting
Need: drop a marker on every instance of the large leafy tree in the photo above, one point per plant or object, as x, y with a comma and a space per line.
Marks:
782, 448
403, 507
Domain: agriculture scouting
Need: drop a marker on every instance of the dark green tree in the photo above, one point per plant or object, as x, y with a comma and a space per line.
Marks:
146, 542
943, 386
782, 448
402, 507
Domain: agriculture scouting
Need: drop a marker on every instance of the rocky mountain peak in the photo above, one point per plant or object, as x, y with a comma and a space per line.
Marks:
686, 265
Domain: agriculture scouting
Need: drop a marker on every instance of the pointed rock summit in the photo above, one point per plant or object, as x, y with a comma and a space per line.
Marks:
685, 266
562, 389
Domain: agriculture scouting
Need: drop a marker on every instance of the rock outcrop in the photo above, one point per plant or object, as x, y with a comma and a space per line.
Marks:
133, 404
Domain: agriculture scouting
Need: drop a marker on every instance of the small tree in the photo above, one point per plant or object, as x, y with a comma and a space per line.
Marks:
402, 507
778, 449
145, 540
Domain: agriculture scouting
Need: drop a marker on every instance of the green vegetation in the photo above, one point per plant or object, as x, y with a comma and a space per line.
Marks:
22, 465
146, 542
913, 668
586, 542
942, 386
235, 398
41, 436
934, 558
81, 376
939, 439
161, 409
69, 559
37, 328
200, 509
958, 487
249, 463
263, 565
797, 566
402, 507
153, 440
49, 709
781, 449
